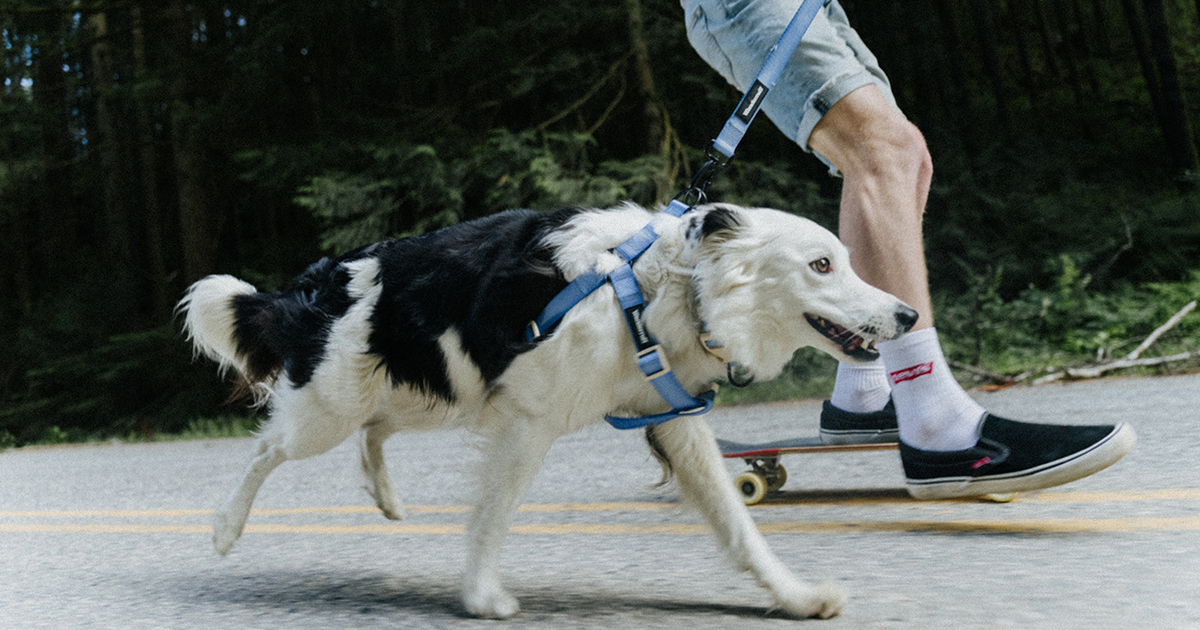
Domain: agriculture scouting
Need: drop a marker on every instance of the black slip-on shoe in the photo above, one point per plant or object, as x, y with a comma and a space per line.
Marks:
839, 426
1015, 457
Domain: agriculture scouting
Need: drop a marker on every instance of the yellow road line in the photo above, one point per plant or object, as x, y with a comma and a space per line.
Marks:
995, 526
1016, 526
550, 508
1180, 494
1175, 495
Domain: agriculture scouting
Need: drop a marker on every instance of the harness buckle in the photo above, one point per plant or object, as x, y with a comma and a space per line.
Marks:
532, 332
664, 366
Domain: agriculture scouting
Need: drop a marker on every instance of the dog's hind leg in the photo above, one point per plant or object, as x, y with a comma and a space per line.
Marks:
375, 473
301, 426
513, 456
231, 518
690, 447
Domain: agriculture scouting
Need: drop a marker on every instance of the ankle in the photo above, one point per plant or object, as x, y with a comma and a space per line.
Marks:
933, 411
861, 388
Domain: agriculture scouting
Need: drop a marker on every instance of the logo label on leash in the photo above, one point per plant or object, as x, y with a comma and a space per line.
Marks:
911, 373
637, 326
751, 102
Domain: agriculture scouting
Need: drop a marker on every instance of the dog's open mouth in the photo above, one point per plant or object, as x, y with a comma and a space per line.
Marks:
852, 344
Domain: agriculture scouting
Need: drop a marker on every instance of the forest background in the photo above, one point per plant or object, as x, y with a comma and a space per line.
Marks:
145, 144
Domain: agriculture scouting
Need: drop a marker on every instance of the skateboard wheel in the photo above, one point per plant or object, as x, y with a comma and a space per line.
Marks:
1000, 497
752, 486
776, 478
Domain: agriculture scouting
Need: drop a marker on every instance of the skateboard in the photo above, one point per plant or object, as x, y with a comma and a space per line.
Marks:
767, 475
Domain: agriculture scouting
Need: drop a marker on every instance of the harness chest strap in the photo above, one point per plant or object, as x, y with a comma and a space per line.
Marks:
651, 360
586, 283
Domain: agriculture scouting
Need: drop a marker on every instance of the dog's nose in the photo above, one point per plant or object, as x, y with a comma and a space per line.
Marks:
906, 318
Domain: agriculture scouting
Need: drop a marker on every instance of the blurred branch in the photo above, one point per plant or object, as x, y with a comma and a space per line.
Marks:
1092, 371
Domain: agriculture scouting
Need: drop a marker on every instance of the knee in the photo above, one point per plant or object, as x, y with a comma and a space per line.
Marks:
871, 141
894, 152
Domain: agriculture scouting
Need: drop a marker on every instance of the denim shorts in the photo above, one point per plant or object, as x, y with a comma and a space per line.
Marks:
735, 36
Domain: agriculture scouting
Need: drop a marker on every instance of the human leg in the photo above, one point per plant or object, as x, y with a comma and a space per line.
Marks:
849, 119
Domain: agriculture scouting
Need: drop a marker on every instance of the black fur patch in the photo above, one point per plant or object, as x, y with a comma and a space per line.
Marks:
486, 278
693, 228
287, 330
719, 221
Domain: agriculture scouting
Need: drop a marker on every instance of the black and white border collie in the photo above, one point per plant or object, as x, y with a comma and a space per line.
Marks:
428, 332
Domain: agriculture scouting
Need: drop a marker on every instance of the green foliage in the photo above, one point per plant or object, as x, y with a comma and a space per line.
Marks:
404, 189
401, 190
776, 184
1068, 323
141, 383
206, 428
1053, 238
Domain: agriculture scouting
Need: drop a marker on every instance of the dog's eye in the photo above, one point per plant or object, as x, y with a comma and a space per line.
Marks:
821, 266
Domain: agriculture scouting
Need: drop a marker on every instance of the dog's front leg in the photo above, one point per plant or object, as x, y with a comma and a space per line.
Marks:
692, 451
514, 453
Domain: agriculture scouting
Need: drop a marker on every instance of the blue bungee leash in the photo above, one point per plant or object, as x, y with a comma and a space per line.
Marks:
650, 357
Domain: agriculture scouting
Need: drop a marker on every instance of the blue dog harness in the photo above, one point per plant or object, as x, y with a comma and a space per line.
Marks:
650, 357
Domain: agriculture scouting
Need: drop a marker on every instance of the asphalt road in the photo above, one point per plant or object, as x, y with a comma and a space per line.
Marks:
117, 536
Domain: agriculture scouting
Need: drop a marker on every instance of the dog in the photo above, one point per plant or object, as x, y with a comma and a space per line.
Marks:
429, 332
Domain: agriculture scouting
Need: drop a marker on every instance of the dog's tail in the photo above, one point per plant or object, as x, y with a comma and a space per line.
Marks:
229, 321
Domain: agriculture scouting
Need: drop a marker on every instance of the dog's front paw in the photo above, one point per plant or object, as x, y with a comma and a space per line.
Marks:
390, 505
387, 500
824, 600
225, 533
394, 512
490, 601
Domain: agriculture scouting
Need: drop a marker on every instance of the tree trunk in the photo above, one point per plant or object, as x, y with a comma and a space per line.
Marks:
57, 220
1072, 58
1141, 43
956, 53
652, 111
991, 58
1029, 79
1039, 12
106, 144
1103, 30
956, 91
396, 17
1176, 127
197, 227
160, 303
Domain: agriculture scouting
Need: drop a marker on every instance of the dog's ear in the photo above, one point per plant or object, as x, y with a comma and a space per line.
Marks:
717, 225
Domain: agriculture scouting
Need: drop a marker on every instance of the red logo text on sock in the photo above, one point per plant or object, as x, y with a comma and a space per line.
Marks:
911, 373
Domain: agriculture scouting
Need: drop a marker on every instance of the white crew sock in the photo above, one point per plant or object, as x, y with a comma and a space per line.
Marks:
933, 411
861, 388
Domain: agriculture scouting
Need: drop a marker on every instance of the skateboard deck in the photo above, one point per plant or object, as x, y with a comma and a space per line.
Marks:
795, 445
768, 475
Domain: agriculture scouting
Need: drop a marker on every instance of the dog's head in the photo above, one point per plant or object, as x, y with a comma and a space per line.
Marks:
769, 282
